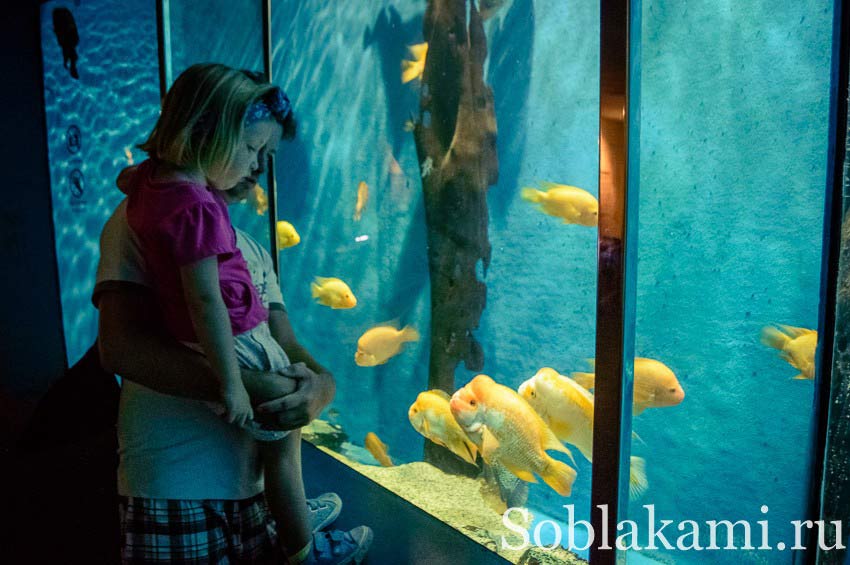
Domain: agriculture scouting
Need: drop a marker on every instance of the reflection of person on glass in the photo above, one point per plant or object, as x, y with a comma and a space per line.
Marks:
173, 449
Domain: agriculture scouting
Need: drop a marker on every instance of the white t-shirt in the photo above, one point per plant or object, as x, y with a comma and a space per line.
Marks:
172, 447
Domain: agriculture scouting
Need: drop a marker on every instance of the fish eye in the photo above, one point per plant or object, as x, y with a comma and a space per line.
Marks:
472, 402
672, 390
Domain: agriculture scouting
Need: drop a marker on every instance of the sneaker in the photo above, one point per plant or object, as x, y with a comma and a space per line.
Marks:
323, 510
340, 548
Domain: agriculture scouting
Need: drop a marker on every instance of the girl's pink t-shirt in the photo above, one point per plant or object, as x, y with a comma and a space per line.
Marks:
178, 223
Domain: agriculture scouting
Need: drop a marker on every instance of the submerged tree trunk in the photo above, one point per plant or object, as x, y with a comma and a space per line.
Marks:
456, 146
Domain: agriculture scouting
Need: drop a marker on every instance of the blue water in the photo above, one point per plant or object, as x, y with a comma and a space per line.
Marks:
113, 104
733, 138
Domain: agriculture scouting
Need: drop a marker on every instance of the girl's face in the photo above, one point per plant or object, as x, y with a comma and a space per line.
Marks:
262, 136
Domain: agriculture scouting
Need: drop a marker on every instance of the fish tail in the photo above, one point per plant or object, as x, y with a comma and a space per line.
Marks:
774, 338
585, 380
638, 482
531, 194
408, 71
316, 290
409, 333
560, 477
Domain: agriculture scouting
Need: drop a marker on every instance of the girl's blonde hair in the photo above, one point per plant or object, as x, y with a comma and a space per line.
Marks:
202, 118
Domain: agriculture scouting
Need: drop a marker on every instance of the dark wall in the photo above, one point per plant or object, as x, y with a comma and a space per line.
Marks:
32, 351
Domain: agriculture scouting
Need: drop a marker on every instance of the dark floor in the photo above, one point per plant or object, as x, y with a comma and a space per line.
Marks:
59, 506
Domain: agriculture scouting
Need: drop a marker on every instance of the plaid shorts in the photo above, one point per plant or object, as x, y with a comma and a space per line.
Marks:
198, 531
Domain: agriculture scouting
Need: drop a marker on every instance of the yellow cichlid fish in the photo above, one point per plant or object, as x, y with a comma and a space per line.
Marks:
411, 70
362, 199
655, 385
258, 198
796, 345
572, 204
567, 408
330, 291
378, 449
286, 235
380, 343
510, 433
432, 417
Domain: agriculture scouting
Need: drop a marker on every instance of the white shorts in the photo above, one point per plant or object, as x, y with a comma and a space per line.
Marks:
257, 350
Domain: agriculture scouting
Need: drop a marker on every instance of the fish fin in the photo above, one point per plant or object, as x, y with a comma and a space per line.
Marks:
409, 333
774, 338
512, 490
409, 71
637, 437
462, 449
585, 380
441, 393
418, 50
559, 476
794, 331
551, 442
787, 357
526, 476
548, 185
638, 409
316, 290
473, 451
489, 444
801, 377
638, 482
531, 195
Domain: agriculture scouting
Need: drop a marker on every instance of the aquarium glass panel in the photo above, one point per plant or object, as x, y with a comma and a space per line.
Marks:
733, 140
228, 32
101, 99
361, 185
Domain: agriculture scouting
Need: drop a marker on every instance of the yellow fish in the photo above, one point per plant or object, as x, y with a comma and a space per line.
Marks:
509, 432
409, 125
655, 385
572, 204
380, 343
567, 408
411, 70
258, 197
330, 291
286, 235
796, 345
378, 449
432, 417
362, 199
129, 155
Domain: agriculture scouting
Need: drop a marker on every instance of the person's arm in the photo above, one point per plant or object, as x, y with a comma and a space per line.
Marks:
123, 180
133, 344
316, 386
212, 327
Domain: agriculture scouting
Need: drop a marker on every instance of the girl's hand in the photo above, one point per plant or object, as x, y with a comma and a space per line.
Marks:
237, 403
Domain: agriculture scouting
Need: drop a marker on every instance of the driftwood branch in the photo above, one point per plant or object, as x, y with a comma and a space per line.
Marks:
456, 146
456, 140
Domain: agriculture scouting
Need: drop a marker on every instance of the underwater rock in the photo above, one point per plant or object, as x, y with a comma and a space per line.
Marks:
324, 434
